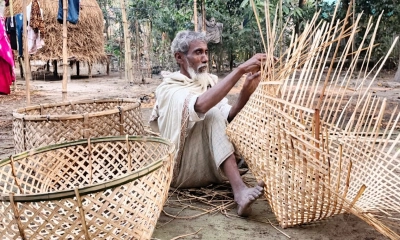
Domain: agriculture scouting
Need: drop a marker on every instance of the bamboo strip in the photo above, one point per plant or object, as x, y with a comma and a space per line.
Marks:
121, 120
128, 149
12, 165
82, 214
17, 216
258, 23
90, 160
359, 194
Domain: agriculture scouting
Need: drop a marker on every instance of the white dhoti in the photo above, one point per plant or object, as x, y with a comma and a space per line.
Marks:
206, 147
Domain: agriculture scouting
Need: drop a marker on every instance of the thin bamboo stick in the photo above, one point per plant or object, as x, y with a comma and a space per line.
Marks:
65, 50
17, 217
334, 56
14, 174
26, 54
258, 23
82, 213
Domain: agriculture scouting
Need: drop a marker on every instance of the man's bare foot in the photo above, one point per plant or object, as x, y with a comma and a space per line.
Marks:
246, 197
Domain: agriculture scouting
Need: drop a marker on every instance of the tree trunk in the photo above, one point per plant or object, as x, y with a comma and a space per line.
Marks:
297, 27
203, 14
195, 15
128, 59
397, 76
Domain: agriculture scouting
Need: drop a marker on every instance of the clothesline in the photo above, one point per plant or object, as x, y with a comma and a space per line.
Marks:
84, 5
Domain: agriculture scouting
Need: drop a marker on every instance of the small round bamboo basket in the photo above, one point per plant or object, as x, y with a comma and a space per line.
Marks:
46, 124
101, 188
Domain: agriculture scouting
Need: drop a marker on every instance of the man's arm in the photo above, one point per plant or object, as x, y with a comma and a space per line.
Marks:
249, 86
214, 95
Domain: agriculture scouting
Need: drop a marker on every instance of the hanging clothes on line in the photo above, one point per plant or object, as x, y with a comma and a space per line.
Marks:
73, 11
36, 19
35, 41
7, 74
19, 26
11, 30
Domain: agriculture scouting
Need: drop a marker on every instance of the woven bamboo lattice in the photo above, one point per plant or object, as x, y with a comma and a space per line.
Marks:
101, 188
46, 124
314, 132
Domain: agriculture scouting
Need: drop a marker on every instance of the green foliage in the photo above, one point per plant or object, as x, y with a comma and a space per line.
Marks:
241, 36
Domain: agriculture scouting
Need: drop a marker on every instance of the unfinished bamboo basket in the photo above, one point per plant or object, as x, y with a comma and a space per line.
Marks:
316, 134
45, 124
100, 188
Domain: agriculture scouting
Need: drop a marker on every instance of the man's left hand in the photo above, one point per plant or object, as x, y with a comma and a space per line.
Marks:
251, 83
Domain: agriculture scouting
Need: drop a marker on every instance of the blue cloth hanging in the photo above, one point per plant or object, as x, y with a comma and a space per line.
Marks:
19, 25
73, 11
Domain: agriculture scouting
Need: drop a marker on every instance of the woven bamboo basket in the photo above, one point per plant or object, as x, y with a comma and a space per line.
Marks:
100, 188
46, 124
320, 140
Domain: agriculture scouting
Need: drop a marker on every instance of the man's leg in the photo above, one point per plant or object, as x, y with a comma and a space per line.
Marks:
244, 196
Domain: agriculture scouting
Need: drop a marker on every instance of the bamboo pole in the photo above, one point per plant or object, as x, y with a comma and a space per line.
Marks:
65, 51
195, 15
128, 68
14, 84
26, 54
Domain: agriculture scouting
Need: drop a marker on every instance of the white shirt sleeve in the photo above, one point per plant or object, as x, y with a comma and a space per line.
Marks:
193, 115
224, 107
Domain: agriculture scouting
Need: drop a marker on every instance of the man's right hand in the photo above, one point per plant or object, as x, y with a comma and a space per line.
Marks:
253, 65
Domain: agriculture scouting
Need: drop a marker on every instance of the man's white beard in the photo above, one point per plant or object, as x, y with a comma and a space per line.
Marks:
204, 79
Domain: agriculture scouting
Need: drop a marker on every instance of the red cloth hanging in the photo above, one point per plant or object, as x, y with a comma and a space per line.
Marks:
6, 77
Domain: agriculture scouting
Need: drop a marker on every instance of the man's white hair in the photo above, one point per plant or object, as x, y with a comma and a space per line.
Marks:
183, 39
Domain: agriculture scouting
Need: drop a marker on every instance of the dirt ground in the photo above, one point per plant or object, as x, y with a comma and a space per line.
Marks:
222, 224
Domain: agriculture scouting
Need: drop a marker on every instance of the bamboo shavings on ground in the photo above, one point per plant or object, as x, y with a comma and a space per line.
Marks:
192, 203
214, 199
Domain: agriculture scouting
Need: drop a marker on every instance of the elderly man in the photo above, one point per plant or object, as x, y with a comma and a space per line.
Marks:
191, 110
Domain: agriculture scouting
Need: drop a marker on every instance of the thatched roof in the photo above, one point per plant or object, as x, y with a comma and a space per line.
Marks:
85, 39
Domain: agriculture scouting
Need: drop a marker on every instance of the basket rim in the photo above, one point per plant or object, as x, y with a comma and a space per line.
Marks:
18, 113
37, 197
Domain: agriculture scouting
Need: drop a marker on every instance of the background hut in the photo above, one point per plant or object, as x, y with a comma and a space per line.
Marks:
85, 39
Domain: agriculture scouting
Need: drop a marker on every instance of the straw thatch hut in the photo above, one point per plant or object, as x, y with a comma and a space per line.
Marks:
85, 39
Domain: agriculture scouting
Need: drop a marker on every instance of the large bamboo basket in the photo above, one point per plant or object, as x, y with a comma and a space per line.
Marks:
46, 124
101, 188
322, 143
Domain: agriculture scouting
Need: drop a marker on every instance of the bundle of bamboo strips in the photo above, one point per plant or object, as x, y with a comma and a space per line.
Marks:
319, 145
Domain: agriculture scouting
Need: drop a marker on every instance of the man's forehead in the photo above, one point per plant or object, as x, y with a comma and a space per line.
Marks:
197, 44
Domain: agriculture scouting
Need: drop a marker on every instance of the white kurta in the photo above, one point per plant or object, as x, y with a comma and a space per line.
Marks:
174, 115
